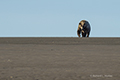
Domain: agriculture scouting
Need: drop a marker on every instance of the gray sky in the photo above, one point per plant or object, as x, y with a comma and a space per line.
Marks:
58, 18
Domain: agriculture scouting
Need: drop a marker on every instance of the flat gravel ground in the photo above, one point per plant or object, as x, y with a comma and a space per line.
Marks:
58, 58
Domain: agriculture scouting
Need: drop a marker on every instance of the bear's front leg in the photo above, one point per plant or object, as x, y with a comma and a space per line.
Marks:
78, 33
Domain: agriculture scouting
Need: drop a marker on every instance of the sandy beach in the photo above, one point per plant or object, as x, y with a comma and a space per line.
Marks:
59, 58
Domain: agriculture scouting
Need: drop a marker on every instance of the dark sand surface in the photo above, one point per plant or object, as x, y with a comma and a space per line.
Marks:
60, 58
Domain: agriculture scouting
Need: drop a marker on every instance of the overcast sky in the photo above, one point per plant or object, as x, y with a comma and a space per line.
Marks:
58, 18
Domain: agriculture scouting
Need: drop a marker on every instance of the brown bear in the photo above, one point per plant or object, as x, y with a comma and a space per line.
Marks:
84, 28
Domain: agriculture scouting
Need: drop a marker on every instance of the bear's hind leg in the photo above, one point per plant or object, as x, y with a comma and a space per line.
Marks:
88, 34
83, 34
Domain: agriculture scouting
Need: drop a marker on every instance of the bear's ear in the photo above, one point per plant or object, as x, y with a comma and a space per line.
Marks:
79, 23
